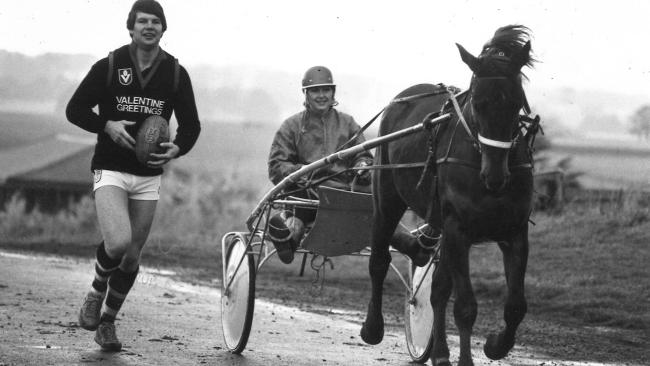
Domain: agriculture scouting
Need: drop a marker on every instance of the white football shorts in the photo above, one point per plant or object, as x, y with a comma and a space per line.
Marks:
137, 187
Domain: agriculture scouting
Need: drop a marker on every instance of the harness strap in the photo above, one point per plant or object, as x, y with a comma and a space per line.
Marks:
494, 143
452, 97
396, 100
409, 98
393, 166
471, 164
452, 160
369, 167
431, 152
111, 63
354, 138
319, 279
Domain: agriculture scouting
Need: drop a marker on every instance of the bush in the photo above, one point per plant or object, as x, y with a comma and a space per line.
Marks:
18, 225
194, 209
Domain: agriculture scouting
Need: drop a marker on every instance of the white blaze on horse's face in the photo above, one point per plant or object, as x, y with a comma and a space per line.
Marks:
320, 98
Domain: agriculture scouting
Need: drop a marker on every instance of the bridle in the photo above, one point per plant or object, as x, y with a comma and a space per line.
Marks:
481, 140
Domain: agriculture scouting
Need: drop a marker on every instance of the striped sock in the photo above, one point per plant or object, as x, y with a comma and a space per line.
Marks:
119, 285
104, 266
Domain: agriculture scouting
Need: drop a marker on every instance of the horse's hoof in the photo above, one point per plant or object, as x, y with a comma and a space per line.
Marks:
443, 361
495, 348
372, 338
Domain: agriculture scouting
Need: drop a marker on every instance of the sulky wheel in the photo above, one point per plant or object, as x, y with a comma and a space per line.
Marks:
419, 313
237, 293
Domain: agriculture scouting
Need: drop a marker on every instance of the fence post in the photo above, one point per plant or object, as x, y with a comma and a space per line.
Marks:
559, 183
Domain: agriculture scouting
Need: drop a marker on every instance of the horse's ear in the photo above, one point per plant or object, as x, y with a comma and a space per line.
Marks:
522, 57
468, 58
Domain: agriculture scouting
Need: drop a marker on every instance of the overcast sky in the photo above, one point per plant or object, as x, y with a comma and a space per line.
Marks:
584, 44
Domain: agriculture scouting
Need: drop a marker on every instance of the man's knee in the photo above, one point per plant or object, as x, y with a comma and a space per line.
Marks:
130, 260
117, 245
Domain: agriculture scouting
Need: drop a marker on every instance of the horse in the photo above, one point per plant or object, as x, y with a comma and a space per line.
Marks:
476, 187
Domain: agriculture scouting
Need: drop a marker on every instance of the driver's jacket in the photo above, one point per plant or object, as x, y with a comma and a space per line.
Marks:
306, 137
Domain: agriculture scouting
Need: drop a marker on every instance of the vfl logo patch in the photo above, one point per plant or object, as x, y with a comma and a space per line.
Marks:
125, 76
151, 135
98, 175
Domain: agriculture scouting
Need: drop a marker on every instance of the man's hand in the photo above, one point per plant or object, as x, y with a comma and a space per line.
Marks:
158, 160
117, 132
363, 175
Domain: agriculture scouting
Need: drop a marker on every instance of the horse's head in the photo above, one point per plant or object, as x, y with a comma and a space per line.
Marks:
495, 98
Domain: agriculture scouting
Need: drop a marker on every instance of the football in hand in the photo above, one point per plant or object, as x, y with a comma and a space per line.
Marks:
153, 131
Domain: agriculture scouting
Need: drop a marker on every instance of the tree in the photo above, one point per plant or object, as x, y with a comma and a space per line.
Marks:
640, 122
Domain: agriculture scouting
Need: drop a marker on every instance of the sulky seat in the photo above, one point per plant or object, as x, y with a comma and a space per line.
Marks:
343, 223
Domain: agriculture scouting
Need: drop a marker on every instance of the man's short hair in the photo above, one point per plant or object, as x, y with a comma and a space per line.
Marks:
149, 7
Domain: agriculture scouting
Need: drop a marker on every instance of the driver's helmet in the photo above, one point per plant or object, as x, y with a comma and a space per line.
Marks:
317, 76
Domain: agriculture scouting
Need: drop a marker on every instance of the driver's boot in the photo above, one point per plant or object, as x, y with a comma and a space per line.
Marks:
427, 236
417, 244
286, 231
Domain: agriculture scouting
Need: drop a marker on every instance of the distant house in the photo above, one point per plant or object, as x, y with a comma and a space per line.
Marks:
48, 173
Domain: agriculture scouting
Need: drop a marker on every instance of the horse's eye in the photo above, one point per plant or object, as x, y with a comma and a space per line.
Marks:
501, 53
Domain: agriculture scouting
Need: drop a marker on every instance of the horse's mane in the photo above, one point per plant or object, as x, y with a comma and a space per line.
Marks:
497, 60
510, 39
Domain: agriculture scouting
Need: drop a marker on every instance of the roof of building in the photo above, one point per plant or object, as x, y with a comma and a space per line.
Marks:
60, 160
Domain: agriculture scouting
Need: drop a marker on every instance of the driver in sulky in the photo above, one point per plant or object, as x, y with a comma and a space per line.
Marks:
309, 135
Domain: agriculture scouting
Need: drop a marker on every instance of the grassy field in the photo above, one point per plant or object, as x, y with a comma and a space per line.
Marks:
588, 277
619, 166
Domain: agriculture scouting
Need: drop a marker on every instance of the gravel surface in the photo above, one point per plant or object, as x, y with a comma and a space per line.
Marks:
168, 322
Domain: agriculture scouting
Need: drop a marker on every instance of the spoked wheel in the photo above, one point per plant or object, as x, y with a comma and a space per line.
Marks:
238, 298
419, 313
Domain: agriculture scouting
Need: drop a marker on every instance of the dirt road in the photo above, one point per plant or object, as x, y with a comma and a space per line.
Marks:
167, 322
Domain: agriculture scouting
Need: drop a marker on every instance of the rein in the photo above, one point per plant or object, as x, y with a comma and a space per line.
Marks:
396, 100
528, 125
461, 118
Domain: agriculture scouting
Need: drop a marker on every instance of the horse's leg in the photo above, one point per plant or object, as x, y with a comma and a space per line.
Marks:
389, 209
465, 307
515, 259
441, 286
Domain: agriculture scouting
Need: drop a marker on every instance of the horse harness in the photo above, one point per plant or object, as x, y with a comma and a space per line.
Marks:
528, 127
